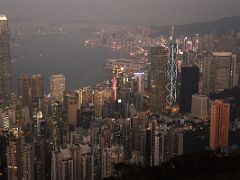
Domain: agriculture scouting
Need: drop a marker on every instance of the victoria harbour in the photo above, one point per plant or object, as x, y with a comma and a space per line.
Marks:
65, 54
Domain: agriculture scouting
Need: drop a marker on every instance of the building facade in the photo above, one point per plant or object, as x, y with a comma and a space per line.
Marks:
219, 127
5, 63
158, 57
57, 87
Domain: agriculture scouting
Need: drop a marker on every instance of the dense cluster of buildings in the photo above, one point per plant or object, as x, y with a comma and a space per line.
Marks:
137, 117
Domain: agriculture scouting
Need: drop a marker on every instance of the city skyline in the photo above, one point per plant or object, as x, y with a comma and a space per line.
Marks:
155, 105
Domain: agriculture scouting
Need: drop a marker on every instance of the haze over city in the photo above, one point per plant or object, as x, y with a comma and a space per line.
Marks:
161, 12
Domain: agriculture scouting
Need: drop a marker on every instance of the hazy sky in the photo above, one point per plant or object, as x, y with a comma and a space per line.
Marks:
137, 11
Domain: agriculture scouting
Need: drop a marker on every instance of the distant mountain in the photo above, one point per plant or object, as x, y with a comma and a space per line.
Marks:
219, 27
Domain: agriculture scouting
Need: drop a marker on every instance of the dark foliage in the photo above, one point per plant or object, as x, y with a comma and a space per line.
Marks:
198, 166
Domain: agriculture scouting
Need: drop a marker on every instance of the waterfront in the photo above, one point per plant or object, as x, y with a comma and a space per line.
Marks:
61, 54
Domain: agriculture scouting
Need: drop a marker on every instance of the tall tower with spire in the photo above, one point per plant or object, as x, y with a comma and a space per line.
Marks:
5, 63
171, 87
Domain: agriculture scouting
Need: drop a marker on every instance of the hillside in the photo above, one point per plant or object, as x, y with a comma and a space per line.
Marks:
219, 27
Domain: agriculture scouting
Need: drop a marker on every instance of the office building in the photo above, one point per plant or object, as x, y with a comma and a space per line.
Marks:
200, 106
158, 57
172, 73
5, 63
57, 87
188, 87
36, 86
219, 127
219, 72
24, 90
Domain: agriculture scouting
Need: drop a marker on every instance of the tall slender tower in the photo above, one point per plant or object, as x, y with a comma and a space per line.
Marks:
5, 63
172, 72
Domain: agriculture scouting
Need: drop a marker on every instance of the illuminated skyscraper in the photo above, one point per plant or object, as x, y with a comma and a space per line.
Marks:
219, 128
140, 82
99, 97
57, 87
5, 63
85, 96
158, 57
172, 72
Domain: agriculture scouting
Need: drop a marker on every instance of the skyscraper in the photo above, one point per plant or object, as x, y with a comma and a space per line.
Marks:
57, 87
5, 63
36, 86
85, 96
23, 90
189, 86
139, 77
171, 86
219, 71
158, 57
20, 160
219, 128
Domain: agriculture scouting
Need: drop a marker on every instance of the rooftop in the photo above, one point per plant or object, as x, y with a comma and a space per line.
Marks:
3, 17
222, 53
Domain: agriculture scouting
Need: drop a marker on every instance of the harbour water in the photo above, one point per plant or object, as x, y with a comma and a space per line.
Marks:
61, 54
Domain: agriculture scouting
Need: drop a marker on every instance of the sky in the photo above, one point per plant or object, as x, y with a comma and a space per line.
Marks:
160, 12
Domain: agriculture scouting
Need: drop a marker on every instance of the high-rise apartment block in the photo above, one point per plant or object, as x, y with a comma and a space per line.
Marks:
219, 128
29, 88
20, 160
